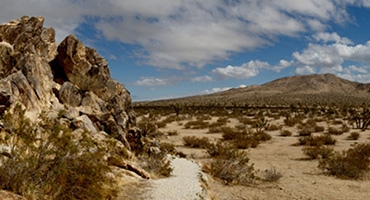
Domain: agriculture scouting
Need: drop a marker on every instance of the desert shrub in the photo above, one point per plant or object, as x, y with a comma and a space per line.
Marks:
244, 139
317, 140
337, 122
168, 148
318, 128
230, 164
156, 164
272, 175
240, 127
161, 124
229, 133
222, 120
353, 136
88, 83
249, 142
47, 161
246, 121
196, 142
306, 131
172, 133
196, 125
292, 121
273, 127
170, 119
215, 129
148, 127
315, 152
351, 164
261, 125
335, 131
345, 128
262, 136
203, 117
285, 133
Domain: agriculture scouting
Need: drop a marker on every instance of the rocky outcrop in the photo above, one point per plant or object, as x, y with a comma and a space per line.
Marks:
67, 78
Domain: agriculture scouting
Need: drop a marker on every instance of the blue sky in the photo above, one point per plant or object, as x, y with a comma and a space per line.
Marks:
173, 48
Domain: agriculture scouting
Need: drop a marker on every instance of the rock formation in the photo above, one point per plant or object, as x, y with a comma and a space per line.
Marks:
41, 75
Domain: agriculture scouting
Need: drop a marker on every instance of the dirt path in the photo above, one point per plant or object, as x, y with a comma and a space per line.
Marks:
183, 184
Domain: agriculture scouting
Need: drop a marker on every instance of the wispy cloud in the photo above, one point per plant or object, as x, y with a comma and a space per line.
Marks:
178, 34
151, 82
246, 70
205, 78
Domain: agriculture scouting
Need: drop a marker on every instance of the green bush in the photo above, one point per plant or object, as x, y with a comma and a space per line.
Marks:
317, 140
285, 133
354, 136
47, 161
156, 164
335, 131
196, 125
351, 164
318, 128
196, 142
292, 121
306, 131
148, 127
173, 133
273, 127
230, 164
272, 175
315, 152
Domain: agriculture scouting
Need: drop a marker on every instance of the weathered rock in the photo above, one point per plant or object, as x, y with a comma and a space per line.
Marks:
16, 88
83, 66
27, 46
5, 195
93, 103
70, 94
6, 59
42, 75
84, 122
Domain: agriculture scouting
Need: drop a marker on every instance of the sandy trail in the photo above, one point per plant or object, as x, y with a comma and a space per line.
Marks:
183, 184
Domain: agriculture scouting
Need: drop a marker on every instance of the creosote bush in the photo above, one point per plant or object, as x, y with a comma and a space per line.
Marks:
353, 136
196, 142
272, 175
46, 161
199, 124
351, 164
230, 164
316, 152
317, 140
285, 133
335, 131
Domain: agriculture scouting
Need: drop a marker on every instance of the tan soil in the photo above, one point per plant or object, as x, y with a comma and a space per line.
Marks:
301, 177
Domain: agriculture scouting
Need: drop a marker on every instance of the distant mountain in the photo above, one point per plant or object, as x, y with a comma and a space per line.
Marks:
320, 89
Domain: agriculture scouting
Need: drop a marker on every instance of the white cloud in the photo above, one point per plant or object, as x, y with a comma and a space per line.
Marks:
305, 70
176, 34
151, 82
357, 69
319, 55
205, 78
216, 89
332, 56
246, 70
331, 37
282, 65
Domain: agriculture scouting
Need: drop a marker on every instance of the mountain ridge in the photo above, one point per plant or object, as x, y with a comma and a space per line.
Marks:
306, 89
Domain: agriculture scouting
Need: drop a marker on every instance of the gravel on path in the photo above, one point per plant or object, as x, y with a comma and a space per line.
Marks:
183, 184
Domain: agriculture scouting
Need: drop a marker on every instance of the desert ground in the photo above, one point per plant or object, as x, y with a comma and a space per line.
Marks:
300, 176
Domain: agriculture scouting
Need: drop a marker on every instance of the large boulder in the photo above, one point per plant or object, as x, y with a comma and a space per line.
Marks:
44, 76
